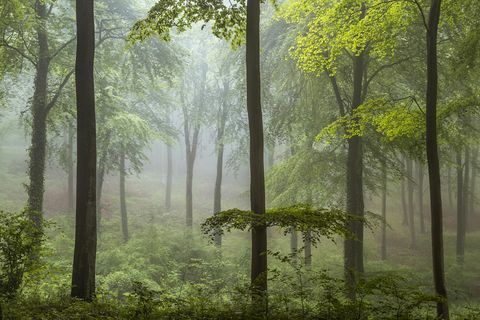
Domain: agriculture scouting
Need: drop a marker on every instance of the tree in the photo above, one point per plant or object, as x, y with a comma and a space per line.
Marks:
432, 159
83, 274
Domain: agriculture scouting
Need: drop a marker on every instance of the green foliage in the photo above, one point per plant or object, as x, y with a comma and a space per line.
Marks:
312, 222
19, 244
228, 20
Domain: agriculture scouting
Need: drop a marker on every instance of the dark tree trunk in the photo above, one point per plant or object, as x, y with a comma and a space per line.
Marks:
70, 169
420, 197
433, 161
168, 190
36, 187
471, 200
466, 185
83, 274
123, 202
100, 180
308, 252
294, 244
411, 211
354, 247
404, 203
217, 198
460, 210
189, 189
450, 187
257, 170
384, 211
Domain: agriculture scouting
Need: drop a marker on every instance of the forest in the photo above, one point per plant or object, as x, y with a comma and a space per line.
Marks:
240, 159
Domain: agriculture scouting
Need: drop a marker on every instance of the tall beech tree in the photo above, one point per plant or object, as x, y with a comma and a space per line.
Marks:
433, 160
83, 273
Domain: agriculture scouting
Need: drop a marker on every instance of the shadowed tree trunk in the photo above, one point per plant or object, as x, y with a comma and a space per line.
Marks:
460, 210
123, 202
257, 170
217, 198
411, 211
353, 253
471, 199
191, 153
404, 203
450, 187
70, 169
433, 161
466, 185
168, 189
420, 197
308, 252
83, 273
384, 210
36, 187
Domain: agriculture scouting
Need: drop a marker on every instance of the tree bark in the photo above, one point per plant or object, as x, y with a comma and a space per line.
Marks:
471, 200
420, 197
217, 198
257, 170
308, 252
460, 210
168, 189
83, 274
404, 203
36, 187
466, 185
123, 202
70, 169
411, 211
384, 211
433, 161
354, 247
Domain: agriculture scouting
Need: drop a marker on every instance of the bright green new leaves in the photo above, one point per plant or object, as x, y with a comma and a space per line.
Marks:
332, 28
228, 21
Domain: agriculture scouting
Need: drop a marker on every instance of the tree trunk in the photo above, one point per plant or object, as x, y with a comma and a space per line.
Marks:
384, 210
354, 247
420, 197
433, 161
217, 199
466, 185
450, 187
404, 203
36, 187
70, 169
100, 180
411, 211
123, 202
83, 274
308, 252
471, 200
294, 244
189, 191
257, 170
168, 190
460, 210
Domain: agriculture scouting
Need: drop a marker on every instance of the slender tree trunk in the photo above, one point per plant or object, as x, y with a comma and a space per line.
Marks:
168, 190
294, 244
471, 200
404, 203
384, 210
411, 211
257, 170
460, 210
70, 169
433, 161
83, 274
123, 202
189, 191
420, 197
308, 252
271, 155
36, 187
466, 185
100, 180
354, 247
450, 188
217, 198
